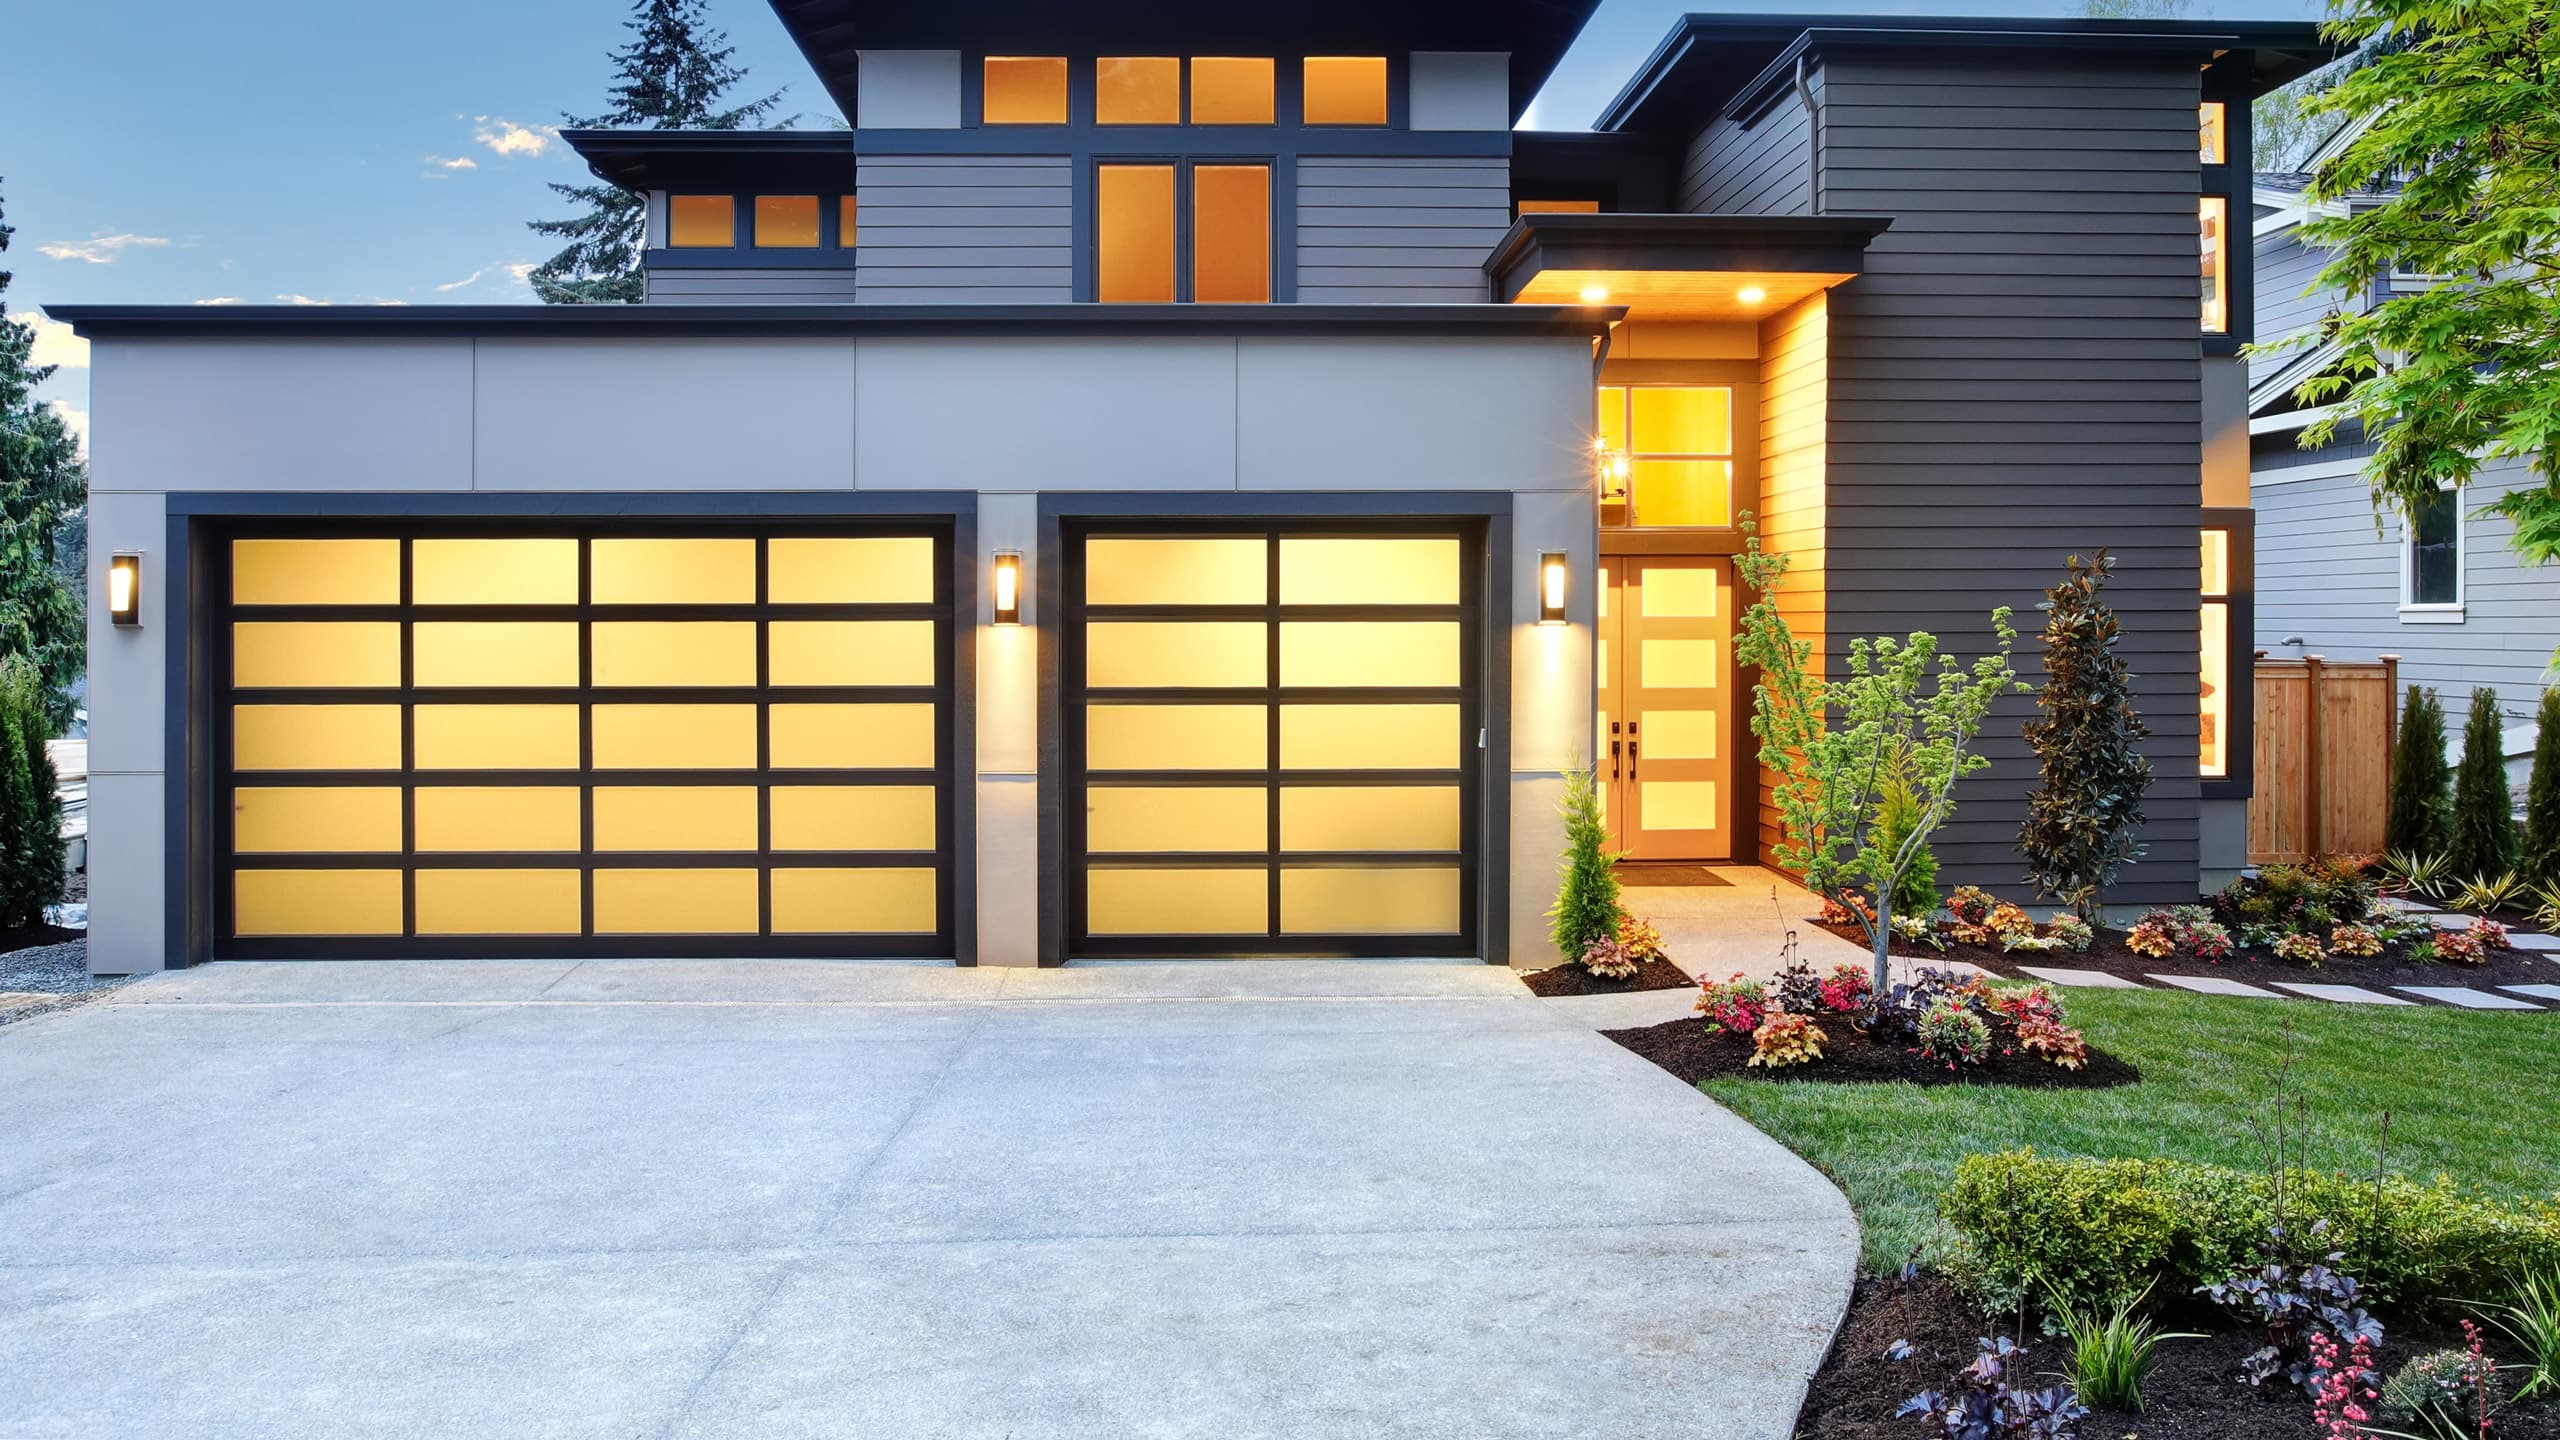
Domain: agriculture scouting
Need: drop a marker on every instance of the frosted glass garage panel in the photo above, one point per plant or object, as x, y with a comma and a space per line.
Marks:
1379, 901
1148, 655
318, 655
485, 819
1197, 820
494, 571
677, 902
672, 572
1177, 570
285, 903
315, 819
853, 817
852, 737
851, 652
853, 902
496, 737
1177, 902
315, 737
1362, 570
671, 818
1370, 737
840, 570
631, 653
315, 572
1369, 817
494, 654
1177, 737
500, 902
675, 737
1383, 654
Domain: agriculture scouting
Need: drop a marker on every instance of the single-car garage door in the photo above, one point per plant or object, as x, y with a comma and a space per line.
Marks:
1273, 740
566, 741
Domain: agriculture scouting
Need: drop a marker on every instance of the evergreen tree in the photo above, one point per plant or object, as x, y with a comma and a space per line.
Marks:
1898, 813
30, 812
41, 483
2484, 828
673, 75
2542, 797
2420, 819
2084, 818
1586, 907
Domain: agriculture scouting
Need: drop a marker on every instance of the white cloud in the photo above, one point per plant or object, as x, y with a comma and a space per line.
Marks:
515, 272
471, 279
220, 300
458, 162
506, 137
300, 300
56, 343
75, 420
101, 249
522, 272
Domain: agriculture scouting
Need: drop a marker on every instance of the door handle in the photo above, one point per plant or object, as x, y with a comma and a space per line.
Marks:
1635, 750
1613, 749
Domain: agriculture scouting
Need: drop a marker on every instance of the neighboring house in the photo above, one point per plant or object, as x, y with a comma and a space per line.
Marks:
1140, 492
2338, 577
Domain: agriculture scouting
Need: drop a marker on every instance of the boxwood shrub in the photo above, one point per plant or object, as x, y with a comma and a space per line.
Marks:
2096, 1231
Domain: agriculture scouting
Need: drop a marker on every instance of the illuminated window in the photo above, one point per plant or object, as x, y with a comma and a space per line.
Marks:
2213, 658
1231, 234
845, 227
787, 222
1346, 90
1666, 455
2212, 145
1133, 234
1025, 90
1557, 207
2213, 228
702, 222
1137, 90
2433, 570
1229, 91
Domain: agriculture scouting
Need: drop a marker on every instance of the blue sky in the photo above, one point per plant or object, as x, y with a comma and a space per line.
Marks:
276, 151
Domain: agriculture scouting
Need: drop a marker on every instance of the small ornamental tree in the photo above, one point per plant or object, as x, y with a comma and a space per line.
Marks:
1835, 745
2084, 818
2483, 846
30, 811
2542, 796
2420, 819
1586, 907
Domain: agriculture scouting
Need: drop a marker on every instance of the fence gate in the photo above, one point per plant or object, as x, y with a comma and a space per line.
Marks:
2324, 737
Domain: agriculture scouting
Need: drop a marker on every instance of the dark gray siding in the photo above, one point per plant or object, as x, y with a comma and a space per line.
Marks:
1762, 168
2016, 378
746, 286
2287, 305
1398, 230
960, 229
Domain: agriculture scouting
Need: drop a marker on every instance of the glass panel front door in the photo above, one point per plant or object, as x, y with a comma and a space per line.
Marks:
1664, 661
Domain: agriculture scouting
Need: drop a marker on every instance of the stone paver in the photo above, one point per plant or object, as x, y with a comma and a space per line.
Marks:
2538, 992
2464, 996
2342, 994
2216, 985
2415, 907
2087, 979
2543, 944
765, 1200
2447, 920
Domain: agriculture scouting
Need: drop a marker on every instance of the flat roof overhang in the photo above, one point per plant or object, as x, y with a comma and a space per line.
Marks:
724, 161
1679, 267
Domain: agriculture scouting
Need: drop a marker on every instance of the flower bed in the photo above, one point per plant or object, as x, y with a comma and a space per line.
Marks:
1695, 1052
1562, 980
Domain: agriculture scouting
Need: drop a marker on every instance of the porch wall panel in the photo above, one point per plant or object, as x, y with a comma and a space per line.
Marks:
1795, 387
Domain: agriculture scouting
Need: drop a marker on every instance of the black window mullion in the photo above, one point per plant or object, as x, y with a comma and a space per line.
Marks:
408, 750
764, 743
586, 739
1271, 721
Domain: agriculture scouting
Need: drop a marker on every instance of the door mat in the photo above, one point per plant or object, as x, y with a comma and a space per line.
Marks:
1659, 873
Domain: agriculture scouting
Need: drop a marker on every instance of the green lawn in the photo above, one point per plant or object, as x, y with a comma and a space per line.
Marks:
2475, 1096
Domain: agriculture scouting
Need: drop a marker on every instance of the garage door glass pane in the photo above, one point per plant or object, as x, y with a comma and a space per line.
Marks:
1146, 655
315, 572
535, 571
675, 737
323, 655
675, 817
677, 902
487, 818
1344, 570
853, 817
843, 902
852, 737
1177, 737
1177, 902
1383, 901
852, 652
495, 654
1369, 737
674, 653
315, 737
1177, 570
316, 820
317, 902
673, 572
1370, 817
894, 570
1185, 820
497, 737
1402, 654
499, 902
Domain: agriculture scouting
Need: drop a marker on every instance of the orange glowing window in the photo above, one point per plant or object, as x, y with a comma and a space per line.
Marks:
2212, 139
2213, 233
1228, 90
1025, 90
1231, 234
787, 222
1346, 90
707, 222
1137, 90
1558, 207
1133, 234
846, 207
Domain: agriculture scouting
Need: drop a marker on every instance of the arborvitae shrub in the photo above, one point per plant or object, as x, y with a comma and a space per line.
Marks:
2483, 845
2542, 796
30, 811
1586, 906
2420, 820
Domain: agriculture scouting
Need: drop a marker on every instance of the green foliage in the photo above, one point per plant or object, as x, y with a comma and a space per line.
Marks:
2453, 176
2111, 1351
30, 812
1586, 908
2483, 840
2530, 1319
2420, 818
2084, 818
1898, 814
43, 485
2444, 1391
2095, 1231
673, 73
2541, 860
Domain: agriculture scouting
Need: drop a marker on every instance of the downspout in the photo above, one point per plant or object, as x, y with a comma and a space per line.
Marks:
1813, 125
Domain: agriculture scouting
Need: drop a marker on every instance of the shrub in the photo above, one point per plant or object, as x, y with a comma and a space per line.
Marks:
31, 859
2420, 818
2490, 934
2076, 934
1846, 989
2355, 941
2111, 1353
2460, 947
2307, 1310
2483, 841
1856, 911
2300, 948
1608, 959
2084, 817
2095, 1231
1783, 1040
2006, 920
1971, 904
1987, 1406
2489, 892
2443, 1391
1639, 938
1951, 1034
1737, 1005
1918, 931
1586, 907
2186, 930
2410, 873
2053, 1042
1899, 811
2542, 796
2021, 1003
2531, 1319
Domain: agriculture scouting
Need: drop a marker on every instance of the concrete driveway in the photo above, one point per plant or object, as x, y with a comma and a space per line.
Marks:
864, 1201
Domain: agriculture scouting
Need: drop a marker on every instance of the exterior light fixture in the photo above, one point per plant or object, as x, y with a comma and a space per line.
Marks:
1551, 588
124, 589
1008, 587
1751, 295
1595, 294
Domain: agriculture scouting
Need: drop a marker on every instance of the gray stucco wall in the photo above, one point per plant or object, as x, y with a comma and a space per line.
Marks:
1763, 167
958, 229
1399, 230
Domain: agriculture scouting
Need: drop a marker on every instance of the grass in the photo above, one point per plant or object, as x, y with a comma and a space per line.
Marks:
2471, 1095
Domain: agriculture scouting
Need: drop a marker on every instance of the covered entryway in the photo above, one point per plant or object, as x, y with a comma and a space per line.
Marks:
1273, 738
531, 738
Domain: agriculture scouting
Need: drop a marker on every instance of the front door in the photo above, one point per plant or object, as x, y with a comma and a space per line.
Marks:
1665, 669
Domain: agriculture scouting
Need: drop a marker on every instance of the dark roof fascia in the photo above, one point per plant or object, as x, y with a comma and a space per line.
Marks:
1778, 75
655, 159
334, 322
1781, 244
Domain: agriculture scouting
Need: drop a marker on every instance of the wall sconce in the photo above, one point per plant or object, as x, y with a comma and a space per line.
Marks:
124, 589
1008, 587
1551, 588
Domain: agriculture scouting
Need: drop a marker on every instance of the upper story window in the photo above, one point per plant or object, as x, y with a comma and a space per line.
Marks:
1025, 90
1232, 90
1137, 90
775, 222
2213, 144
2431, 571
2213, 230
846, 213
1138, 212
1666, 455
787, 222
1346, 90
702, 221
1557, 207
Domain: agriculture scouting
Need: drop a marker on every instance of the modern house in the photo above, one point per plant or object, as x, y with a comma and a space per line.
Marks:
1179, 481
2336, 578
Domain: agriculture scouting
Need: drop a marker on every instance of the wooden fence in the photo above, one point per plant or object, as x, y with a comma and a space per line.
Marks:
2323, 755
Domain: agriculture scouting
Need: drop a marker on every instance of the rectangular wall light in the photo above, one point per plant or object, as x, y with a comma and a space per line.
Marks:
1008, 587
124, 589
1551, 577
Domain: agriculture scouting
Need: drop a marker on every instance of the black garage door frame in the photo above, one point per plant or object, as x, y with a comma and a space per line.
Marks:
1483, 517
190, 572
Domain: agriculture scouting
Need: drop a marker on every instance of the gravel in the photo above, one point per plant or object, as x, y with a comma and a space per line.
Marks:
58, 972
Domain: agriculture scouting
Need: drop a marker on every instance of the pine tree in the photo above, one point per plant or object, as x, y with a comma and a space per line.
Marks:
41, 482
674, 73
2420, 819
30, 812
2542, 796
1586, 907
2483, 846
2084, 818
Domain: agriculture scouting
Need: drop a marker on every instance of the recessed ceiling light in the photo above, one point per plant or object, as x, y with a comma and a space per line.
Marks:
1595, 294
1751, 295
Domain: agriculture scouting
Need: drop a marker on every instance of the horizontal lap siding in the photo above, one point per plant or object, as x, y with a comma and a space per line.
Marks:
1794, 431
1761, 168
2016, 378
1399, 230
2285, 270
963, 229
750, 287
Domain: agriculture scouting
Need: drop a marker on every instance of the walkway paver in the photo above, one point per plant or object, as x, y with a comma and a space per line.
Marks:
2447, 920
2086, 979
801, 1199
2464, 996
2538, 992
2342, 994
2401, 903
2540, 943
2215, 985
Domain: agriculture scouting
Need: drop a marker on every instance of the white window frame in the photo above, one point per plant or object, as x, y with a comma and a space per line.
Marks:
2453, 612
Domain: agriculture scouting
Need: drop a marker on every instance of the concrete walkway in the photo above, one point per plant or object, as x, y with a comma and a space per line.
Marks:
774, 1199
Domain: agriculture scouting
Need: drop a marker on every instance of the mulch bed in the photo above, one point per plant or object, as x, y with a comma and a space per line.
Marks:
1655, 974
1695, 1050
2108, 953
2194, 1391
28, 937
